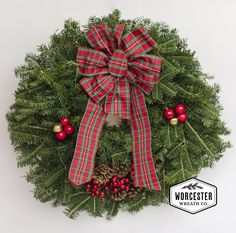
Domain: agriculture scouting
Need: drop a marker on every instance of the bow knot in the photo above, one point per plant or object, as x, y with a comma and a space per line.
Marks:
118, 63
115, 56
116, 71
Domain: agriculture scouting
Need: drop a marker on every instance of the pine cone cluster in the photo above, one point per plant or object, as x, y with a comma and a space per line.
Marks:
121, 170
116, 181
102, 174
122, 194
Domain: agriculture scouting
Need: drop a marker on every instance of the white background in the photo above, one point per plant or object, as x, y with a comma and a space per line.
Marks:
210, 27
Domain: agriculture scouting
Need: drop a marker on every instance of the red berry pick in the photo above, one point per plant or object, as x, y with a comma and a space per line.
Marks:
182, 117
69, 129
115, 190
65, 121
169, 113
61, 136
180, 108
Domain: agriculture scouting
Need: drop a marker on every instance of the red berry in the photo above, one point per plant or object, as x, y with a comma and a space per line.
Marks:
122, 186
97, 192
106, 187
102, 194
127, 188
180, 108
169, 113
93, 194
131, 172
182, 117
115, 190
65, 121
61, 136
115, 184
95, 182
126, 180
122, 181
114, 179
88, 186
95, 187
69, 129
102, 199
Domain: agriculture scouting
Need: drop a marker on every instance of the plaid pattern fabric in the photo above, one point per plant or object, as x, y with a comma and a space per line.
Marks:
87, 143
117, 71
141, 142
117, 64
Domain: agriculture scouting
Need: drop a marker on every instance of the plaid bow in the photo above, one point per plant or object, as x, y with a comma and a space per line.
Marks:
117, 72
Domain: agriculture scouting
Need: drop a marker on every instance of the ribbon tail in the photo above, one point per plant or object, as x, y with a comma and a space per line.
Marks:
144, 168
82, 165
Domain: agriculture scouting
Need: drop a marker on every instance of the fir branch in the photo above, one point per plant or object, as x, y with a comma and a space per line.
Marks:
53, 177
182, 165
65, 192
177, 70
168, 134
111, 212
167, 43
199, 138
94, 205
25, 160
186, 150
164, 186
26, 137
170, 178
169, 90
176, 147
73, 211
120, 153
167, 76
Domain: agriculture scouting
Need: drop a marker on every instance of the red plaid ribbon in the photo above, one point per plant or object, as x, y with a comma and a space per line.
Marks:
117, 72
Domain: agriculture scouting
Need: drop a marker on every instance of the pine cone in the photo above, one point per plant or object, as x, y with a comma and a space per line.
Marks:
121, 195
102, 174
121, 169
133, 192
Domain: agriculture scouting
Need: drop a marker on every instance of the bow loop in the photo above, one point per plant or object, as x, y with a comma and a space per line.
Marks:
137, 42
100, 38
98, 87
146, 62
117, 34
91, 62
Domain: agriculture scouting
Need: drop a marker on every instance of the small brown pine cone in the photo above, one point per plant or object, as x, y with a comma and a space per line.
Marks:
133, 192
121, 195
102, 173
121, 169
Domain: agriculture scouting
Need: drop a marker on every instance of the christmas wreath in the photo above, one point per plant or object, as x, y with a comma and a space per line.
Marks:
109, 116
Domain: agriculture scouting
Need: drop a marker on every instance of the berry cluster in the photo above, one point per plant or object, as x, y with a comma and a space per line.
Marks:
113, 186
95, 189
180, 110
63, 129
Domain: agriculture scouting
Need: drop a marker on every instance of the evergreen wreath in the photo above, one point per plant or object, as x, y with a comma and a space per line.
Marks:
183, 109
